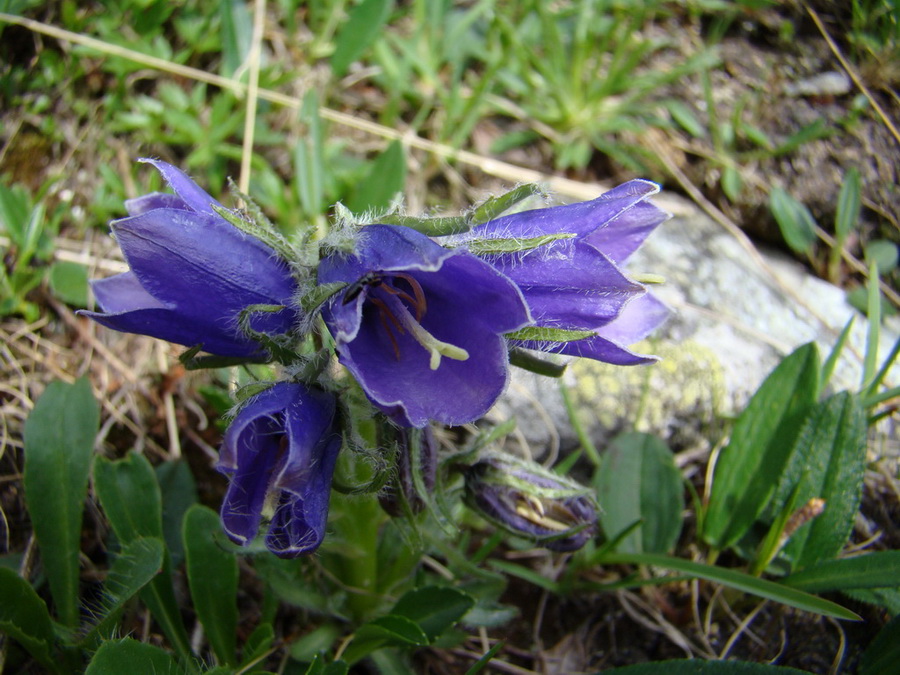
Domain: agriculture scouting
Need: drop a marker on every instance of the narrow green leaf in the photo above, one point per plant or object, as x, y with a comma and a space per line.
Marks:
828, 462
872, 570
703, 667
848, 206
796, 222
530, 361
129, 494
732, 183
385, 180
24, 617
59, 443
309, 158
884, 255
435, 609
486, 659
835, 355
213, 577
685, 118
491, 246
749, 467
638, 480
126, 655
133, 568
873, 334
235, 35
433, 227
762, 588
883, 654
362, 28
527, 574
319, 295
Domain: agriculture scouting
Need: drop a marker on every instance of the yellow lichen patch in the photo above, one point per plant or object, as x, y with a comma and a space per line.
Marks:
687, 383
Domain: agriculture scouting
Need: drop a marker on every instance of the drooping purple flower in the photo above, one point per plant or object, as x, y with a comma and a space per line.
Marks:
532, 502
576, 283
192, 273
280, 451
420, 326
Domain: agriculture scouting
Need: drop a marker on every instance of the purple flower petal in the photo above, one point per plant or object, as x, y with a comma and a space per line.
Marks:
407, 291
154, 200
192, 274
283, 444
195, 197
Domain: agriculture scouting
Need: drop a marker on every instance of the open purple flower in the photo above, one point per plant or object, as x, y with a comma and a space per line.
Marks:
575, 283
420, 326
530, 501
192, 273
280, 451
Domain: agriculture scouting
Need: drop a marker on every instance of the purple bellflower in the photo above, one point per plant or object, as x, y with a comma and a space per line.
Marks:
575, 283
192, 273
532, 502
280, 451
420, 326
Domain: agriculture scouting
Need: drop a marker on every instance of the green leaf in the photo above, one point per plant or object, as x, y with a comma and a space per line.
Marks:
235, 35
491, 246
684, 117
433, 227
848, 206
732, 183
834, 356
178, 492
213, 577
24, 616
385, 631
530, 361
434, 608
385, 180
883, 654
128, 656
486, 659
748, 468
133, 568
546, 334
883, 254
320, 667
69, 282
309, 158
362, 28
59, 443
762, 588
129, 494
703, 667
638, 481
872, 570
798, 227
828, 461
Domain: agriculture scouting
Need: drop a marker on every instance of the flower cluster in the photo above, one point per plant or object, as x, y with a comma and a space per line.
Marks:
423, 324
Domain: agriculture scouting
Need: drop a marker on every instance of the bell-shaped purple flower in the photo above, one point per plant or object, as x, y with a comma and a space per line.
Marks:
280, 451
575, 283
420, 326
532, 502
192, 273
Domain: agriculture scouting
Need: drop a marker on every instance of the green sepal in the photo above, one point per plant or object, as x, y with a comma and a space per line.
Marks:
526, 360
433, 227
493, 246
277, 346
265, 234
497, 206
320, 294
191, 361
547, 334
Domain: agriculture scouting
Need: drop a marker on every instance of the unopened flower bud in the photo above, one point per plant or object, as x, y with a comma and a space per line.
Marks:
416, 472
530, 501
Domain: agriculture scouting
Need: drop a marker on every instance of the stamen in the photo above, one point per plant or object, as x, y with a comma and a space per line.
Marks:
437, 348
419, 303
385, 314
533, 510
